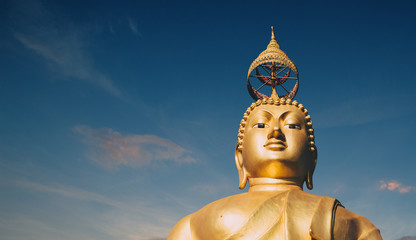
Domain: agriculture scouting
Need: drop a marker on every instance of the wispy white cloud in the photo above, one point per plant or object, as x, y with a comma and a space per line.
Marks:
204, 188
220, 186
82, 195
407, 238
111, 28
132, 221
111, 149
70, 192
362, 110
395, 186
62, 46
24, 227
133, 27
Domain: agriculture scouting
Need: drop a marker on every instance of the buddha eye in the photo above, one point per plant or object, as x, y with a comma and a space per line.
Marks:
293, 126
260, 125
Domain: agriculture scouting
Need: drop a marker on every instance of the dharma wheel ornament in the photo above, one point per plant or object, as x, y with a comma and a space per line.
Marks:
274, 70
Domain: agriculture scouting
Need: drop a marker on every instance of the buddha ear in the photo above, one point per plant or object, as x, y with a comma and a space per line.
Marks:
242, 174
309, 174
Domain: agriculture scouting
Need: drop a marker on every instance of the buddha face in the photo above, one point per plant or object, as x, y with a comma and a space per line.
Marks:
276, 143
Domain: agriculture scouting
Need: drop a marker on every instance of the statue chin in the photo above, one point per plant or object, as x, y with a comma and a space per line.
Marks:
279, 170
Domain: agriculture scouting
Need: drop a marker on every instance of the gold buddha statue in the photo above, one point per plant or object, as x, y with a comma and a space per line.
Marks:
276, 154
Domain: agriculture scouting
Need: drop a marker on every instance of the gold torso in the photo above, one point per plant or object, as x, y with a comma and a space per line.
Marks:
286, 214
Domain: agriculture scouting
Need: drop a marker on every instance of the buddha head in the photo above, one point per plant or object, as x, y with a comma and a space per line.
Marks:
276, 141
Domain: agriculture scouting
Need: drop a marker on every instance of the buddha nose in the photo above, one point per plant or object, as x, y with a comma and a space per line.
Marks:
275, 132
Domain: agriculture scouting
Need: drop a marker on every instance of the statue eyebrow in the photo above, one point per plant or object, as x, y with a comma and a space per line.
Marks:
289, 113
284, 115
263, 113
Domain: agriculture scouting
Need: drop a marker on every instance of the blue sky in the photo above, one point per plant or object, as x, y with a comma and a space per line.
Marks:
119, 118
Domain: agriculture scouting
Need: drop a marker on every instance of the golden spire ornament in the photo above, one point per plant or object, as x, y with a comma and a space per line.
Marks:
274, 69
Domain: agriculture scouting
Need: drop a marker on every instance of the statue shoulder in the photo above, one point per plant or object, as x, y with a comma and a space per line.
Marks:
182, 230
317, 212
349, 225
202, 220
332, 219
218, 219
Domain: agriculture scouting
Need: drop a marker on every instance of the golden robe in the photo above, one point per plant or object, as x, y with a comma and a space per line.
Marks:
285, 215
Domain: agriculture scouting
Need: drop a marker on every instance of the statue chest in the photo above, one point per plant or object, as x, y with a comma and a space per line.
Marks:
281, 216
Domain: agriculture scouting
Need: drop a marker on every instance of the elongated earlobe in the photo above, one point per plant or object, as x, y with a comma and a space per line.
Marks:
309, 175
309, 182
242, 174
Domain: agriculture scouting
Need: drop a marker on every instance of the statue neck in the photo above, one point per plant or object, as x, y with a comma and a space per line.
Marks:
273, 184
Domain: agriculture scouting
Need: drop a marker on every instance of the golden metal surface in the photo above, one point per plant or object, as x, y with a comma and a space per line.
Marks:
276, 61
276, 154
277, 116
273, 53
